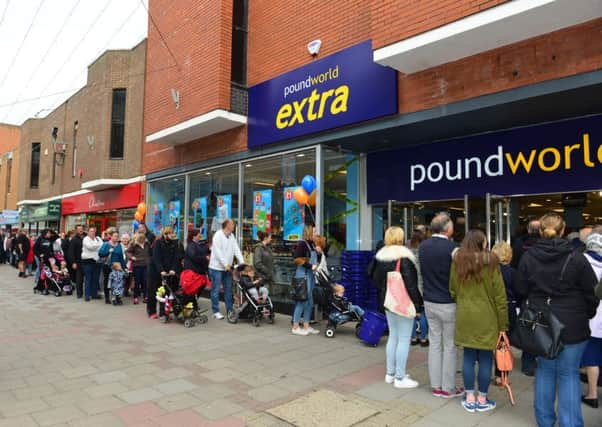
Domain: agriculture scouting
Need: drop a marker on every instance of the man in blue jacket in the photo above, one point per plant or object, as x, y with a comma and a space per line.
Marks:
435, 255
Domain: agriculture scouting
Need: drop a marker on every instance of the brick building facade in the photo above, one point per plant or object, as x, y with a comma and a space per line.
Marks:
9, 165
98, 134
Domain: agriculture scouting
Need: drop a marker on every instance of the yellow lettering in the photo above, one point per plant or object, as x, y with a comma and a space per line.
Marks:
311, 115
540, 160
314, 80
325, 96
520, 159
298, 114
568, 149
600, 153
586, 157
283, 114
339, 105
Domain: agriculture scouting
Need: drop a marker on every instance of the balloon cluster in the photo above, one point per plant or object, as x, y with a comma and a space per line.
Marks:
306, 193
139, 215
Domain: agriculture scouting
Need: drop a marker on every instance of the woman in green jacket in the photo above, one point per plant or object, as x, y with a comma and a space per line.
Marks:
477, 286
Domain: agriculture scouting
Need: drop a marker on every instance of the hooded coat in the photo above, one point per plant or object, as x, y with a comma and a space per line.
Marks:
386, 261
572, 299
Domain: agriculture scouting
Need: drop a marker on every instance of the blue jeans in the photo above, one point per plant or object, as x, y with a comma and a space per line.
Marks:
219, 278
37, 276
304, 309
398, 344
485, 359
561, 373
338, 318
91, 279
527, 362
424, 327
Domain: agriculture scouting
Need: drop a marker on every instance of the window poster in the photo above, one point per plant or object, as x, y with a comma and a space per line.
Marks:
293, 216
199, 216
223, 211
174, 216
262, 212
157, 222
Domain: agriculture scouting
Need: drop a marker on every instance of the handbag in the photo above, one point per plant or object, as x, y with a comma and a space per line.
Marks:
397, 299
538, 331
299, 289
504, 360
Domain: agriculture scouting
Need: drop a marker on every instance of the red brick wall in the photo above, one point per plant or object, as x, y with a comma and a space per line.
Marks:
9, 142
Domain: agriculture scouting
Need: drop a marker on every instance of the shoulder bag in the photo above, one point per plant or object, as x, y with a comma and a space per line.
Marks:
397, 299
538, 331
299, 284
504, 361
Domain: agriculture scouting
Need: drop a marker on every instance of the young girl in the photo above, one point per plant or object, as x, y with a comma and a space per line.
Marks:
116, 278
477, 286
254, 286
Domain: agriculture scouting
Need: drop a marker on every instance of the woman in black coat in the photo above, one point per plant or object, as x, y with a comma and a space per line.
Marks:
553, 272
400, 327
163, 263
197, 254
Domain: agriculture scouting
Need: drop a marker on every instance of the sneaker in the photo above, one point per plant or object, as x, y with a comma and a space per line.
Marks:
299, 331
424, 343
153, 316
469, 406
312, 331
437, 392
406, 382
389, 378
414, 341
163, 319
457, 392
218, 316
488, 405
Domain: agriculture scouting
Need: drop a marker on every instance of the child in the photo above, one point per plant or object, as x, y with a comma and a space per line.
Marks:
247, 279
345, 307
65, 280
116, 278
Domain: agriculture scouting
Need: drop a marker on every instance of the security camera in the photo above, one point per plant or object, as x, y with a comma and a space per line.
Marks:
313, 47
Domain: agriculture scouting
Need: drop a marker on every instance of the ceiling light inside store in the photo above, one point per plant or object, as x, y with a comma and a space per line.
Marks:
301, 155
343, 172
248, 165
600, 193
558, 210
207, 173
535, 205
267, 184
548, 200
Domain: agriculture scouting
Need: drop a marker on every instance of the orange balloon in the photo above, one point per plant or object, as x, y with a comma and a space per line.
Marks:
301, 196
142, 208
138, 216
312, 199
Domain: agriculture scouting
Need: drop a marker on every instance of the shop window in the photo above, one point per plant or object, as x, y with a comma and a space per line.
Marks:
239, 42
117, 123
268, 206
165, 205
213, 198
34, 172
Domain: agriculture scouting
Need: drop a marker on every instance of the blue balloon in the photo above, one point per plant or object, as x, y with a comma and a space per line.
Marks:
136, 224
308, 183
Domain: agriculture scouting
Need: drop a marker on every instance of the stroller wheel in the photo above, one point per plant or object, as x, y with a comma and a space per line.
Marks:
188, 323
271, 319
357, 329
203, 319
232, 316
330, 332
45, 292
256, 321
57, 294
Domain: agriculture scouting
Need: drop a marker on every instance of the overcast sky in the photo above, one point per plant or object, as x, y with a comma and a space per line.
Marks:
44, 66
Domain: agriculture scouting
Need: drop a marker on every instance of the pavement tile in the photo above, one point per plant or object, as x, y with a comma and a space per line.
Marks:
263, 420
140, 395
20, 421
268, 393
80, 371
382, 392
65, 397
175, 386
98, 405
137, 413
22, 407
210, 392
109, 377
173, 373
107, 389
54, 416
177, 402
222, 375
34, 391
186, 418
218, 409
100, 420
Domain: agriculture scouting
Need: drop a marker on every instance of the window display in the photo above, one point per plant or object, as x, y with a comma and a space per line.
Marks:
165, 199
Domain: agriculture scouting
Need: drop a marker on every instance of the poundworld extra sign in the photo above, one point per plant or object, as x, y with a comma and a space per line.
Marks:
551, 158
344, 88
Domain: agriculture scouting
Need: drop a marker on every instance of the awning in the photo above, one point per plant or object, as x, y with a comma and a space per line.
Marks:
104, 183
215, 121
499, 26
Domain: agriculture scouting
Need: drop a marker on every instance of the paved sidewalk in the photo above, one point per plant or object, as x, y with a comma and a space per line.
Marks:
70, 363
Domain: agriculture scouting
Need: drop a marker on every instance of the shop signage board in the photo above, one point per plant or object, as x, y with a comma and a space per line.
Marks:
262, 212
43, 212
9, 217
338, 90
127, 196
557, 157
293, 216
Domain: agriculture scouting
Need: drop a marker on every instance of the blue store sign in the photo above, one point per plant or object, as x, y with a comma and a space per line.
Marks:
550, 158
344, 88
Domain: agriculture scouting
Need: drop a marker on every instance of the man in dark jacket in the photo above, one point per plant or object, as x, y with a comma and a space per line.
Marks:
75, 257
435, 255
22, 244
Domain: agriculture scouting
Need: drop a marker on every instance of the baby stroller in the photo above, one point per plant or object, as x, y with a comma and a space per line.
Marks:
48, 282
336, 314
246, 307
181, 302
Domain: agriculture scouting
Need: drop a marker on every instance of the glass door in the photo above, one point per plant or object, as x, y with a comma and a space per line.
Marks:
498, 217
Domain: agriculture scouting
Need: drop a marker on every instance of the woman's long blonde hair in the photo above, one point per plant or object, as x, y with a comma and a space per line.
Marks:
551, 226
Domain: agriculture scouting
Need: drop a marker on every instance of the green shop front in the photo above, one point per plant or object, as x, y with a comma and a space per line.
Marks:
36, 217
255, 187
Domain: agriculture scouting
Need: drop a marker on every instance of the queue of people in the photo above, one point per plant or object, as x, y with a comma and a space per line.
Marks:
471, 295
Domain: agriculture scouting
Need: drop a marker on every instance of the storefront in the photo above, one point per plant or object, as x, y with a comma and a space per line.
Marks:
113, 207
256, 190
9, 219
37, 217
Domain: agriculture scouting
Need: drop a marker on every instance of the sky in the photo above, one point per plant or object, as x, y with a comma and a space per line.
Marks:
47, 45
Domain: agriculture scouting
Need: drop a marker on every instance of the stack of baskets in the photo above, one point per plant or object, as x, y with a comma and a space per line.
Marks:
358, 287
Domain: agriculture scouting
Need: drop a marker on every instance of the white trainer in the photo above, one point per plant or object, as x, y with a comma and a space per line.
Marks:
312, 331
389, 378
218, 316
299, 331
406, 382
